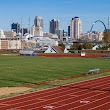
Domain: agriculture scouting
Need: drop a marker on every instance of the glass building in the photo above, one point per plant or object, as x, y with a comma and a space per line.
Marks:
15, 27
54, 25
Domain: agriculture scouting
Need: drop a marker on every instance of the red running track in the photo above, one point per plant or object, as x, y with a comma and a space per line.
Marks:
72, 55
88, 95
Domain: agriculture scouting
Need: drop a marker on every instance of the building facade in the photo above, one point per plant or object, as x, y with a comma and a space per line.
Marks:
38, 21
2, 35
10, 34
60, 34
10, 44
25, 30
68, 30
54, 25
15, 27
37, 28
75, 28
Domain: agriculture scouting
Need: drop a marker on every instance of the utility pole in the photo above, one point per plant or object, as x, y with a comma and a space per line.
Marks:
21, 32
29, 25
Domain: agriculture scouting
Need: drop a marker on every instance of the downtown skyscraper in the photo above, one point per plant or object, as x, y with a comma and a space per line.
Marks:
15, 27
38, 21
37, 28
54, 26
75, 28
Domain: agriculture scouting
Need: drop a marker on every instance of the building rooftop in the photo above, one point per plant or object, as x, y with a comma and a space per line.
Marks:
75, 18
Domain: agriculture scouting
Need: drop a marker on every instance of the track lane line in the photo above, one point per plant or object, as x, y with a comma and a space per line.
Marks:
78, 107
101, 82
69, 99
49, 89
100, 106
45, 94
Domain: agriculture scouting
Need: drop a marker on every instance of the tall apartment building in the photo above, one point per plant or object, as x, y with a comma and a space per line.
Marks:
54, 25
15, 27
75, 28
37, 28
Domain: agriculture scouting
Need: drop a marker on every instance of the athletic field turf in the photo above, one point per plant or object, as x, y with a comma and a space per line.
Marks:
20, 70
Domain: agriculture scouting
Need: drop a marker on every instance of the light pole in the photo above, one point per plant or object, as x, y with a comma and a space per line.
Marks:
29, 26
21, 32
21, 28
108, 23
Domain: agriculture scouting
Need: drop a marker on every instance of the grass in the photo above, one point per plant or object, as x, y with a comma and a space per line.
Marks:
20, 70
73, 80
56, 84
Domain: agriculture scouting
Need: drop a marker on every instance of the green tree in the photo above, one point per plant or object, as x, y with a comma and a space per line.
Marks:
77, 46
87, 45
74, 46
106, 37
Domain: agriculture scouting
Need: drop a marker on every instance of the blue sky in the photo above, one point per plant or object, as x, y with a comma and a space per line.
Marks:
63, 10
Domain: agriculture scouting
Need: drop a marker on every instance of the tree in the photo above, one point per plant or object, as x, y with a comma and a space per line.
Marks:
87, 45
62, 45
106, 37
74, 46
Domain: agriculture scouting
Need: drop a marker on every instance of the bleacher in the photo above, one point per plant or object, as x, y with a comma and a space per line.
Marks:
91, 71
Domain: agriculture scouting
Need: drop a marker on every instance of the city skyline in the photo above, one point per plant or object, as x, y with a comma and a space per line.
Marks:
62, 10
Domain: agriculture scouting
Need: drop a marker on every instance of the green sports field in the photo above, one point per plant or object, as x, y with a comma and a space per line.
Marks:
20, 70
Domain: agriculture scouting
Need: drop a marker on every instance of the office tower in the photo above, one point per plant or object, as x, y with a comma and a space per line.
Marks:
38, 21
15, 27
25, 30
65, 34
75, 28
68, 30
37, 28
60, 34
54, 25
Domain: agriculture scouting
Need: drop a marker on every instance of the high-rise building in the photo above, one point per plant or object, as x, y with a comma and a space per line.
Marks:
38, 21
64, 33
37, 28
37, 31
68, 30
15, 27
60, 34
54, 25
75, 28
25, 30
